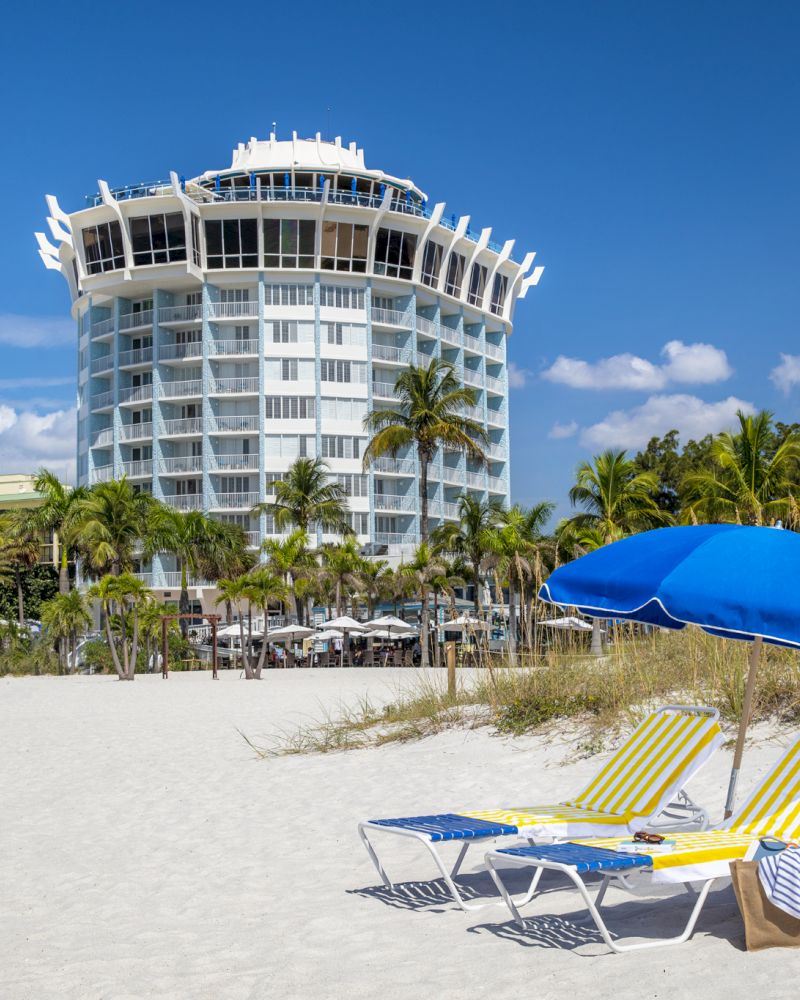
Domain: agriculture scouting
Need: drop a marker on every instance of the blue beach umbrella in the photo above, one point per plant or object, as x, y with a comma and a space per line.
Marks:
734, 581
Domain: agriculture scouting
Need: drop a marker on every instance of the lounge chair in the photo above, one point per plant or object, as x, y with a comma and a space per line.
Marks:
641, 785
773, 809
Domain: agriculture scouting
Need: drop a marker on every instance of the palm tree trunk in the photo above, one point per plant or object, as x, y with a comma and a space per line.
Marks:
134, 643
512, 621
423, 495
263, 654
248, 673
112, 647
436, 646
183, 602
424, 629
63, 570
476, 583
20, 598
338, 598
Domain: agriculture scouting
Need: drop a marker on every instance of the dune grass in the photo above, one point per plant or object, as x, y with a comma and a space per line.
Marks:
638, 674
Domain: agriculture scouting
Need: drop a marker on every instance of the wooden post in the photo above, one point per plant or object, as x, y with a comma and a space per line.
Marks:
164, 649
214, 649
450, 655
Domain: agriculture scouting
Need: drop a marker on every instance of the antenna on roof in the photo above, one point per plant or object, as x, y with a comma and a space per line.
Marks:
329, 120
274, 130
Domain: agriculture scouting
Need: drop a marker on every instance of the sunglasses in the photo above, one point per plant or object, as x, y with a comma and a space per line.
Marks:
648, 838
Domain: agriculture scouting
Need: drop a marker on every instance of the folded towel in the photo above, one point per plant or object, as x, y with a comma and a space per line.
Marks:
780, 876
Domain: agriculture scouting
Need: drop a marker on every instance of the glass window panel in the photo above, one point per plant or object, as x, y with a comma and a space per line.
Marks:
271, 242
328, 245
214, 243
249, 231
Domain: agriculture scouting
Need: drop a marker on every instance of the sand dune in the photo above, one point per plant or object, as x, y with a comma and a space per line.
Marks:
145, 852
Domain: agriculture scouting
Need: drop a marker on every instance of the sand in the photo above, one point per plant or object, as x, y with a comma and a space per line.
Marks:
145, 852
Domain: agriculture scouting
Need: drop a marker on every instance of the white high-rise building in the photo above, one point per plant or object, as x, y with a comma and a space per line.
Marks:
233, 322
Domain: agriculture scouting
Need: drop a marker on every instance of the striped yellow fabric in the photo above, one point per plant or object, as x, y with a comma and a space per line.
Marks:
549, 815
651, 765
690, 848
774, 806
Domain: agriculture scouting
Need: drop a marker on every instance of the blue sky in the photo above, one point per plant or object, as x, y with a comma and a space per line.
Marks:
648, 153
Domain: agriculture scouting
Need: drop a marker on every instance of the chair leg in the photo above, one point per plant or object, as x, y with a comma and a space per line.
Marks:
460, 859
374, 857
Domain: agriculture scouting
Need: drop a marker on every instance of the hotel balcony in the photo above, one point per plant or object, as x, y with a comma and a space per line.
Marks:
233, 310
246, 386
234, 501
396, 501
391, 355
185, 501
383, 390
495, 385
140, 469
139, 356
103, 329
135, 432
233, 463
103, 364
137, 320
495, 351
103, 438
180, 314
180, 352
234, 348
102, 401
180, 465
102, 473
242, 424
136, 394
394, 466
391, 317
181, 389
183, 427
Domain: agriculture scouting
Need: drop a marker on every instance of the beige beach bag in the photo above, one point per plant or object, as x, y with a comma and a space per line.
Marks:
765, 925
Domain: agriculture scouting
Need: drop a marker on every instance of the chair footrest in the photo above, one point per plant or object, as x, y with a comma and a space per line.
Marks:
582, 859
448, 826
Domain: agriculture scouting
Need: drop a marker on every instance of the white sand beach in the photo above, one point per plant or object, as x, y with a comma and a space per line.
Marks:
145, 852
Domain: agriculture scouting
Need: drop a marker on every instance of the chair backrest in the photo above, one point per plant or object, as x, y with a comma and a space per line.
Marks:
773, 806
654, 763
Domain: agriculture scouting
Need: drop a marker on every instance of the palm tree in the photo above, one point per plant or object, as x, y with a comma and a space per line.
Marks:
752, 479
195, 540
423, 571
52, 515
471, 537
291, 559
121, 597
446, 581
305, 497
341, 563
22, 545
263, 587
614, 497
64, 617
431, 401
373, 580
109, 522
236, 592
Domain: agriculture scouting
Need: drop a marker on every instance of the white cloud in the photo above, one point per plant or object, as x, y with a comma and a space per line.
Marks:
692, 364
30, 440
690, 416
559, 431
36, 382
517, 377
786, 375
36, 331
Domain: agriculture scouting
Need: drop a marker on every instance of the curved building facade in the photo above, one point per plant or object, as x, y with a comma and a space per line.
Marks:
230, 323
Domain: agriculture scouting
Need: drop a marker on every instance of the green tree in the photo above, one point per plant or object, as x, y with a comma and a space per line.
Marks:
263, 589
341, 563
53, 515
109, 523
21, 542
614, 497
430, 414
292, 560
373, 582
424, 570
236, 592
305, 497
64, 618
753, 476
121, 597
471, 537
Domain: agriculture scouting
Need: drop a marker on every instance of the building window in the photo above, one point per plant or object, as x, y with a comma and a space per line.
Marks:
334, 333
158, 239
339, 446
394, 253
499, 289
289, 295
455, 275
231, 243
196, 258
340, 297
102, 245
344, 247
234, 295
354, 485
477, 285
290, 407
289, 370
333, 408
432, 263
234, 484
335, 371
358, 521
284, 331
289, 242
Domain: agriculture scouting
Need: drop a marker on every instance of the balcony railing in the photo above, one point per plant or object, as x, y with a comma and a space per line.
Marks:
476, 479
235, 501
185, 501
494, 351
130, 321
472, 378
426, 326
139, 356
496, 452
248, 384
473, 343
184, 425
136, 394
181, 464
172, 579
102, 473
495, 385
235, 348
135, 432
452, 474
395, 466
495, 484
172, 390
393, 538
449, 510
398, 355
474, 413
253, 539
104, 364
390, 317
102, 328
180, 314
449, 335
385, 390
177, 352
140, 469
496, 417
146, 578
235, 424
233, 463
395, 501
233, 310
102, 400
103, 438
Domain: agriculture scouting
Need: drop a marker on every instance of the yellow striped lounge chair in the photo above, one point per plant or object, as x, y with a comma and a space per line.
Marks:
771, 810
642, 784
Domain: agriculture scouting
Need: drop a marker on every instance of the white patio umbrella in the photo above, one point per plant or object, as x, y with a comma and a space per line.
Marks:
465, 623
327, 634
344, 624
570, 622
288, 633
230, 631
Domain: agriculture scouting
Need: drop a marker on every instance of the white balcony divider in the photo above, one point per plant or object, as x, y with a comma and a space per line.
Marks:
386, 390
383, 352
172, 581
180, 314
235, 424
395, 466
393, 538
233, 310
130, 321
394, 501
472, 378
426, 326
494, 351
476, 479
184, 425
449, 336
135, 432
172, 390
473, 343
474, 413
146, 578
496, 484
495, 385
253, 539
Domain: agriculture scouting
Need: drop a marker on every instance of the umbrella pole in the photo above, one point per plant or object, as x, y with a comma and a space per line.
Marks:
747, 707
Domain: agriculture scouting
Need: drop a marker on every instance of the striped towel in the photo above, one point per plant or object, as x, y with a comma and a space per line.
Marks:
780, 877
